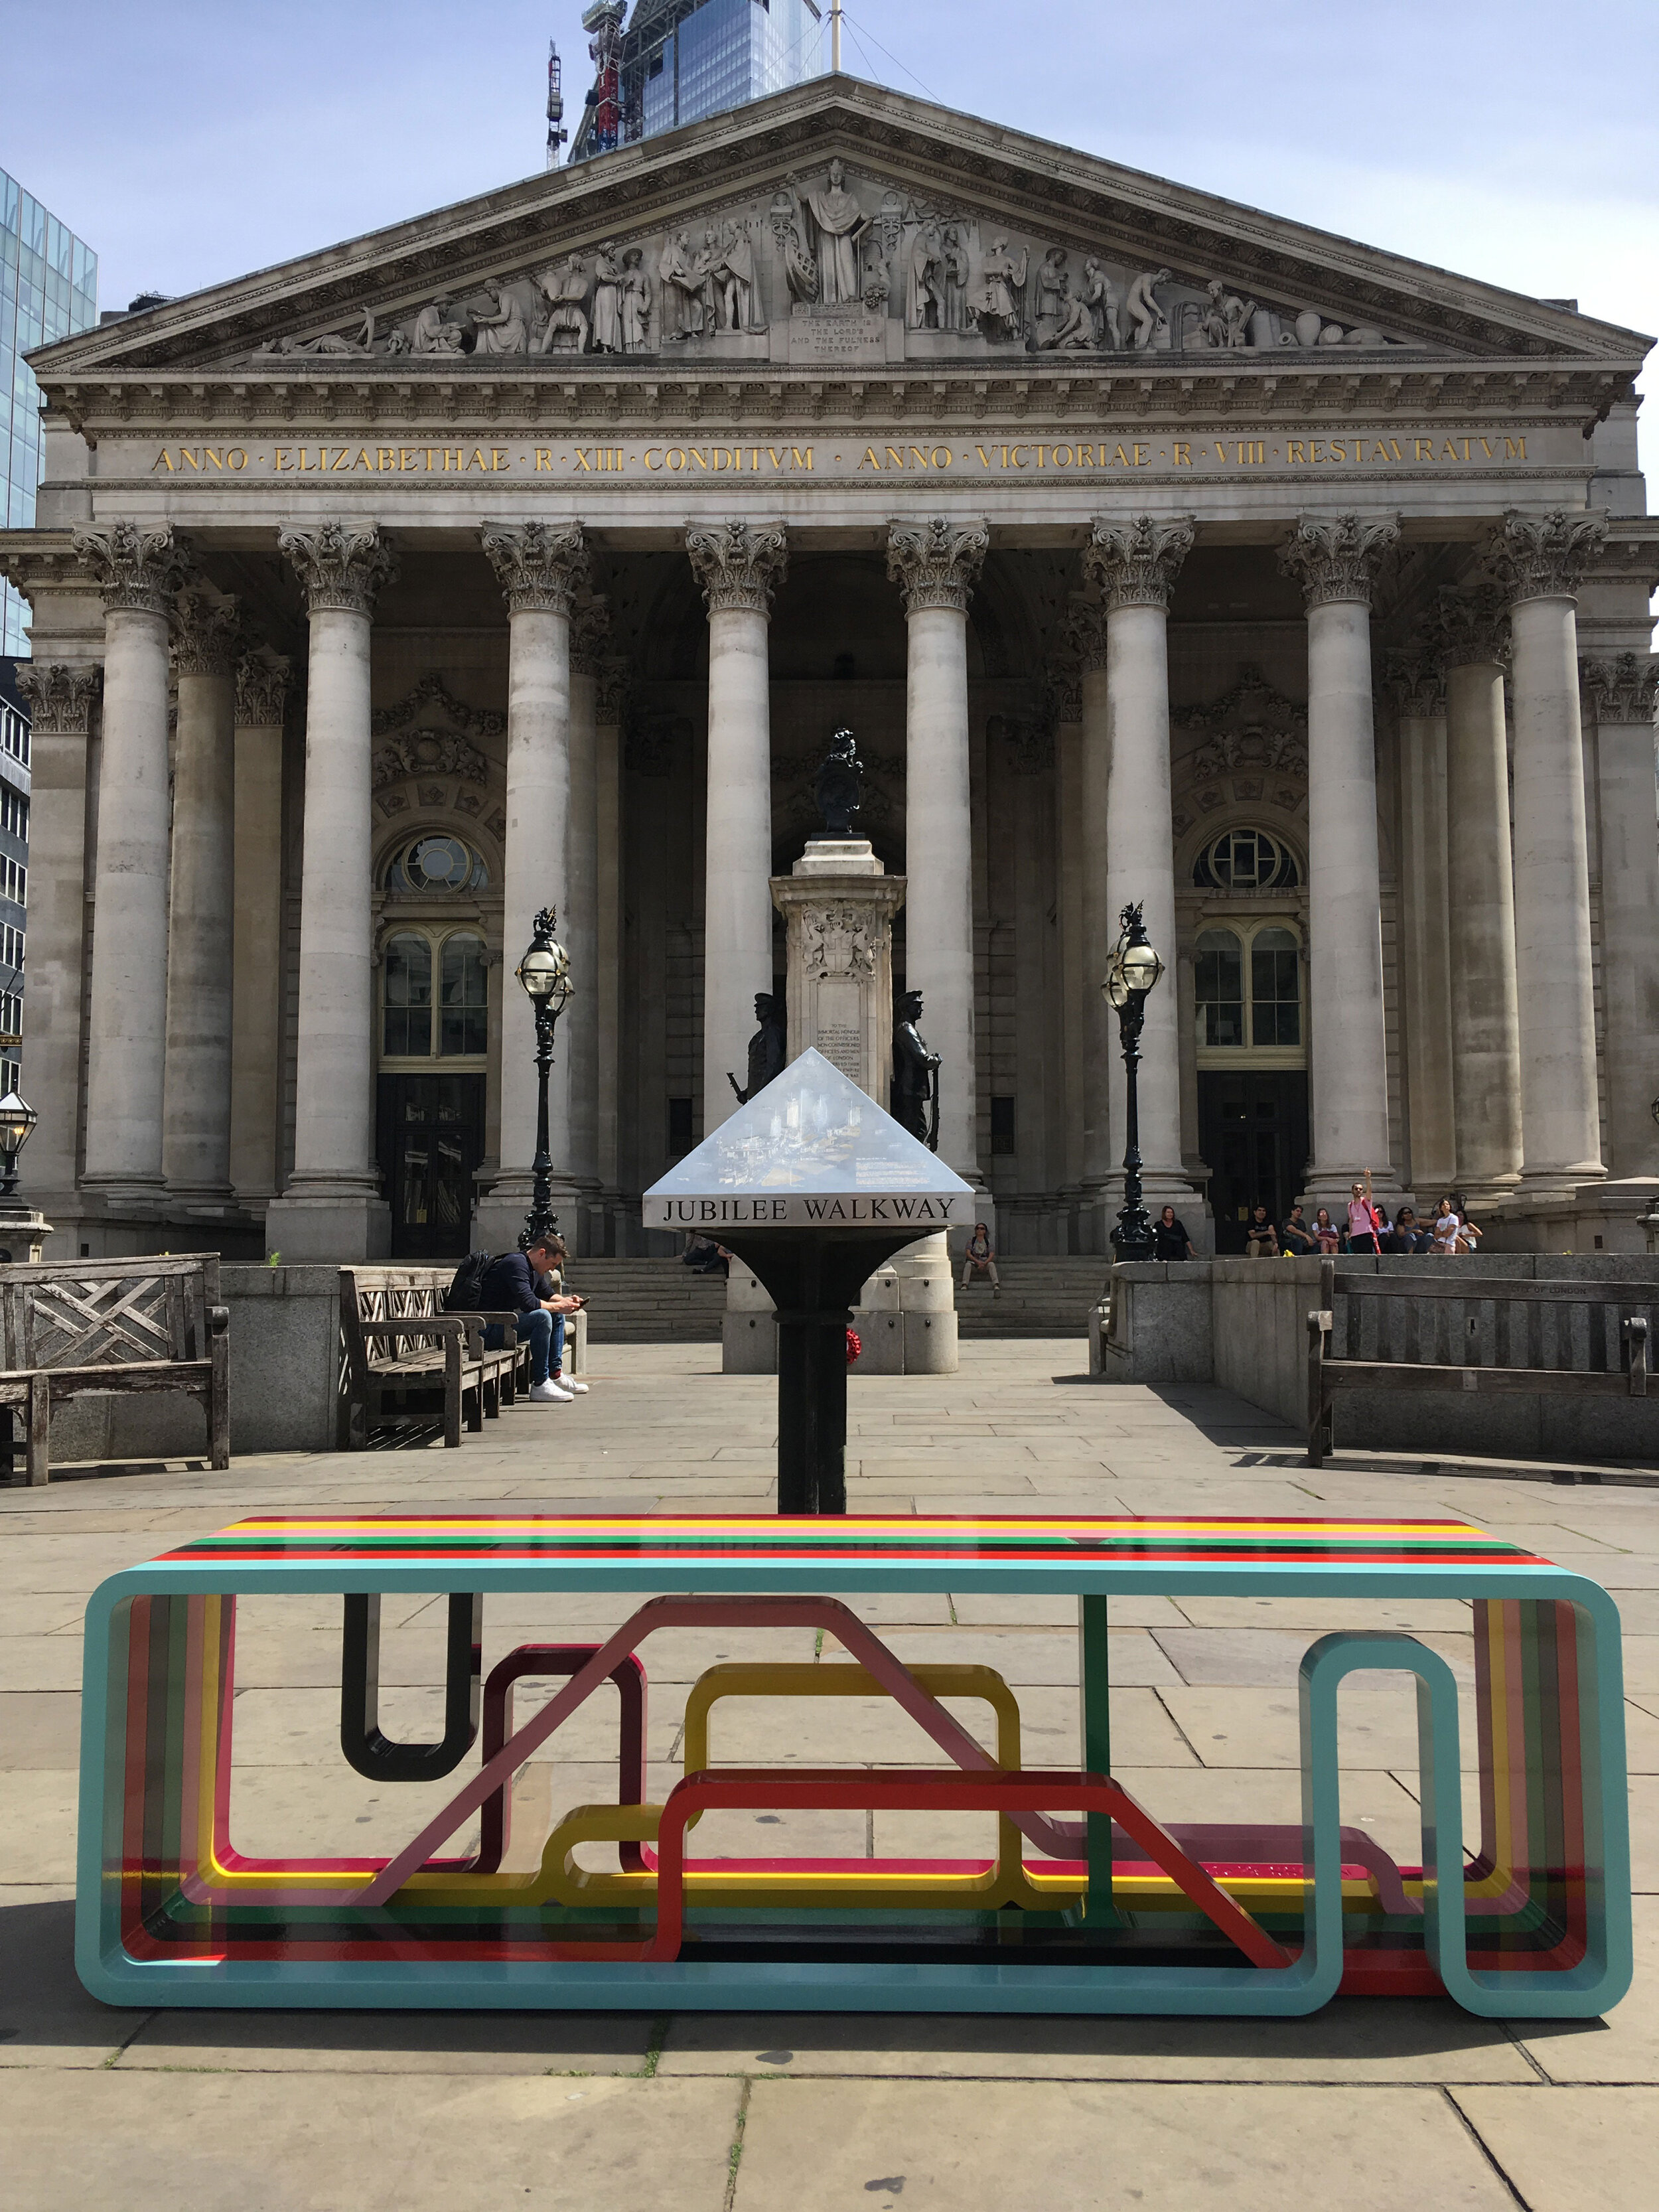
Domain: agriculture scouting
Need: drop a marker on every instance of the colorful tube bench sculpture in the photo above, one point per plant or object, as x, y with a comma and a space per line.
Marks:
1090, 1903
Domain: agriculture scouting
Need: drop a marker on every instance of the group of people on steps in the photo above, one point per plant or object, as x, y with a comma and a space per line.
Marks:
1365, 1227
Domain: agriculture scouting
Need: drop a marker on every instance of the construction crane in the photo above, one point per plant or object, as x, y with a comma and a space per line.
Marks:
556, 134
604, 22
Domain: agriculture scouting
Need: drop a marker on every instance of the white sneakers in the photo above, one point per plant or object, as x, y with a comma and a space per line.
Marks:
549, 1394
568, 1386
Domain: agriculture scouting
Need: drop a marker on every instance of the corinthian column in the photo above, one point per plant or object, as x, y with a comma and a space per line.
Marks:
256, 1021
611, 694
140, 571
589, 633
1621, 694
1134, 565
936, 564
1085, 630
61, 699
196, 1127
332, 1208
1336, 562
1538, 561
1472, 634
1425, 930
739, 568
541, 568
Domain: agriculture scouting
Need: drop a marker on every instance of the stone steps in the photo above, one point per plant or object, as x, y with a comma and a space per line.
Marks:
1042, 1295
649, 1302
662, 1302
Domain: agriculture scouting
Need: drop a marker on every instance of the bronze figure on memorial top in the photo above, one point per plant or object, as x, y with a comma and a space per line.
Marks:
767, 1051
914, 1097
838, 786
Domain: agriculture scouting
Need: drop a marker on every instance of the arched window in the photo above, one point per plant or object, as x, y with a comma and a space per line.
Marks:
407, 1030
464, 1022
437, 862
1275, 988
1246, 861
1218, 987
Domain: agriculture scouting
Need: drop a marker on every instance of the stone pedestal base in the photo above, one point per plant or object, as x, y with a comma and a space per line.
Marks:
905, 1318
23, 1230
498, 1216
1599, 1217
838, 907
342, 1228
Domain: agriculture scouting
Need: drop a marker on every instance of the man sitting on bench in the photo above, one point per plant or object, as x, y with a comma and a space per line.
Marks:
512, 1286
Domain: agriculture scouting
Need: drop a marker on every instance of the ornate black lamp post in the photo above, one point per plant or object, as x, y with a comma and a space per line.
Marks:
17, 1121
544, 972
1135, 968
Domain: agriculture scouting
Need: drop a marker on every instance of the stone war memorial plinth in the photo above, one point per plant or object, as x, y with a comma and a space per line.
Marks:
813, 1187
838, 904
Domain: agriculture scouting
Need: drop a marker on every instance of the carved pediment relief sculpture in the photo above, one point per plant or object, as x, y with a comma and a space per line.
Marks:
826, 244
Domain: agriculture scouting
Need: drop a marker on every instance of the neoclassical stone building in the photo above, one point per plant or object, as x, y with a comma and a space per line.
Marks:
530, 551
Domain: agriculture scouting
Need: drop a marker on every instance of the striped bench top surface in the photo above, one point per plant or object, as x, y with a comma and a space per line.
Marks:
711, 1552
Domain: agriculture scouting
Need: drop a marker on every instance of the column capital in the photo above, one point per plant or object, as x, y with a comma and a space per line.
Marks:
339, 566
137, 569
1335, 558
590, 632
1134, 563
616, 674
1543, 556
1412, 675
1625, 689
61, 695
1465, 627
937, 563
540, 566
1083, 627
207, 633
738, 565
263, 681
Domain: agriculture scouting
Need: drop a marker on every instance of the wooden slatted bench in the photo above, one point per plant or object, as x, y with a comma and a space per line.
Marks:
407, 1362
1582, 1338
73, 1329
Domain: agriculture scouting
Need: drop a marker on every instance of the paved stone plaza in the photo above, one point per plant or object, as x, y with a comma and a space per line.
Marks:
1369, 2107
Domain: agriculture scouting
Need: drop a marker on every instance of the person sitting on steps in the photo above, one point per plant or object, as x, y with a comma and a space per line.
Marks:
1295, 1238
1261, 1236
1170, 1237
513, 1284
980, 1260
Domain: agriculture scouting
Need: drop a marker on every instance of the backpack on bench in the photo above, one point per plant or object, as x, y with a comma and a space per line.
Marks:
466, 1286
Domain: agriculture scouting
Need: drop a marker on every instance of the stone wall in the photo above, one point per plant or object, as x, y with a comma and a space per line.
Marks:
1243, 1324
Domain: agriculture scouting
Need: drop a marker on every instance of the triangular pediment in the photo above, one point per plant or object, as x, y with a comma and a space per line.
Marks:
949, 240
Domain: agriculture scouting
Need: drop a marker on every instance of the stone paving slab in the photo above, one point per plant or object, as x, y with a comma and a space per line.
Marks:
1408, 2041
248, 2142
1571, 2150
1033, 2146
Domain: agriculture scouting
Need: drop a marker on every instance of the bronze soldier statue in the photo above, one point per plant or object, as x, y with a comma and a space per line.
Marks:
915, 1075
838, 786
766, 1047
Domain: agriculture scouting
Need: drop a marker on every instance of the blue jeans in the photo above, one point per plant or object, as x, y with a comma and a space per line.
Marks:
543, 1332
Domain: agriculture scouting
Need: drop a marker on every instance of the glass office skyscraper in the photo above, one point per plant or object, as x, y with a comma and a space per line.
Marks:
48, 289
683, 59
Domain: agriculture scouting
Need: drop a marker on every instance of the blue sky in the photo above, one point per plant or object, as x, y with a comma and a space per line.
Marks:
1510, 139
